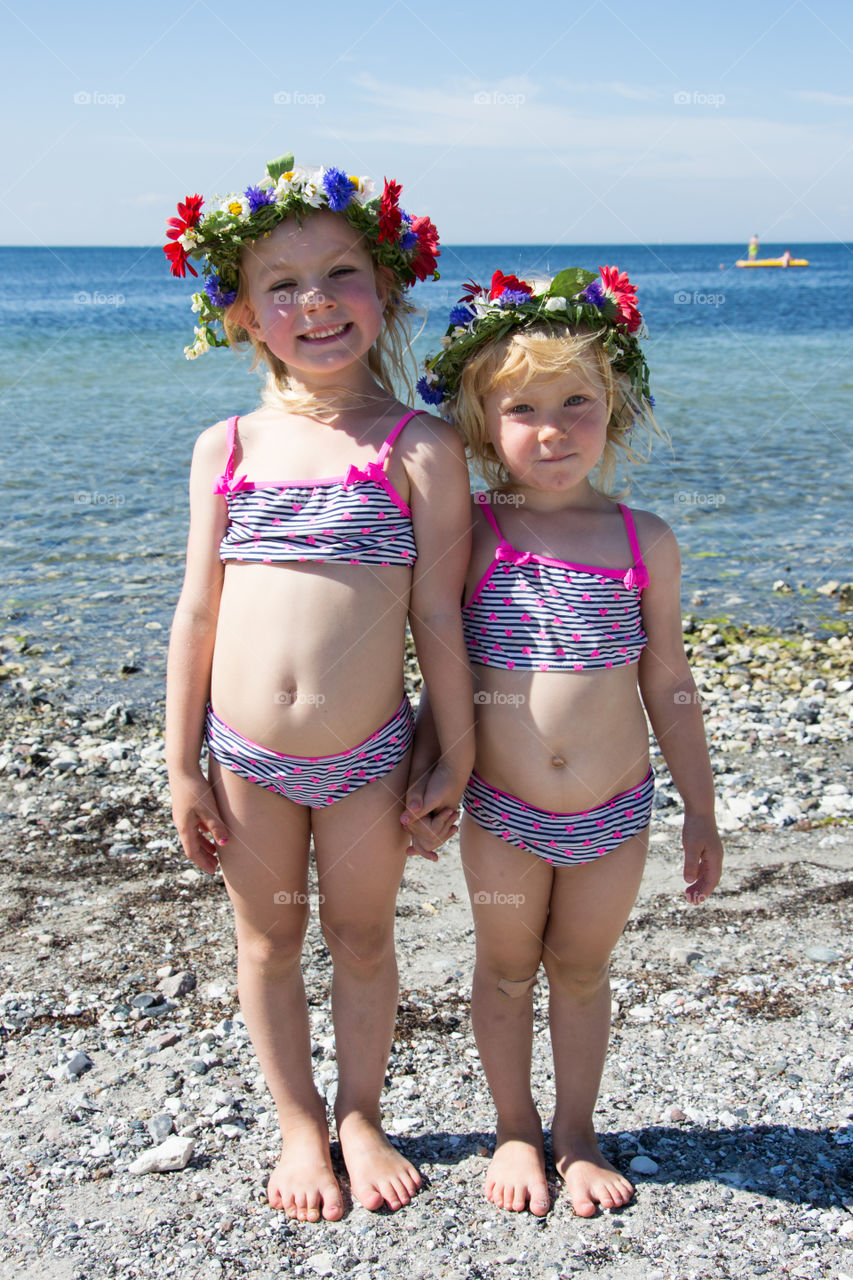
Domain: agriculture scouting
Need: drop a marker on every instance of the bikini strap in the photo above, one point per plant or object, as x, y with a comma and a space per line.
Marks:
482, 501
633, 540
231, 441
385, 447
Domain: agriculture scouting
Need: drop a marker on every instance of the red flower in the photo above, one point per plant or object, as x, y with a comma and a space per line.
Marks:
500, 283
177, 255
390, 217
189, 212
624, 294
423, 263
473, 290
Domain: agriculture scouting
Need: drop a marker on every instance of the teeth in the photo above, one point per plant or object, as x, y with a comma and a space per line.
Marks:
324, 333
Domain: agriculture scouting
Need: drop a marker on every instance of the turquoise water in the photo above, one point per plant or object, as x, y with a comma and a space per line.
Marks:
752, 374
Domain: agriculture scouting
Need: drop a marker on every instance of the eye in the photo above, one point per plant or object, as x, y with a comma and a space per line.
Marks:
342, 271
511, 410
575, 400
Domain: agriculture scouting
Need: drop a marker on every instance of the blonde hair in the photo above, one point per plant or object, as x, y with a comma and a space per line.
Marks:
544, 350
389, 358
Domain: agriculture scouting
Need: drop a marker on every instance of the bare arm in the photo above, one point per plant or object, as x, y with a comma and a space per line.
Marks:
672, 702
440, 505
190, 659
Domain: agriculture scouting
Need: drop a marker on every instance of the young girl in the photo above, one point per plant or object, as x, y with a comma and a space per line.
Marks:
573, 623
316, 527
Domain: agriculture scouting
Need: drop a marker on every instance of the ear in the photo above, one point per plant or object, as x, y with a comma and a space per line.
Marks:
244, 316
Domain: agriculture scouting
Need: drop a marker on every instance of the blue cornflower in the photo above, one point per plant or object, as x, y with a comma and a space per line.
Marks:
338, 189
218, 296
594, 293
428, 393
461, 315
652, 401
513, 297
258, 197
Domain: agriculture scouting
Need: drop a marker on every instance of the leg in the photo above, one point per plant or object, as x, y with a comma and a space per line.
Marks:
265, 865
589, 907
360, 847
510, 891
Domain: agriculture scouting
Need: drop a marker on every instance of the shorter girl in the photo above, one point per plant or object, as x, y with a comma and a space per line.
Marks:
573, 625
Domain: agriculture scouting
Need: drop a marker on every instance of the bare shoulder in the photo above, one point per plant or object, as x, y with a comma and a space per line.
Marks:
657, 541
427, 432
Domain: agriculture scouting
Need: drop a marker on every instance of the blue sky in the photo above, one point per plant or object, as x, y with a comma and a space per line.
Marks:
590, 122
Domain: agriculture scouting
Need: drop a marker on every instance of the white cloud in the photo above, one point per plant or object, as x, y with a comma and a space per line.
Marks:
825, 99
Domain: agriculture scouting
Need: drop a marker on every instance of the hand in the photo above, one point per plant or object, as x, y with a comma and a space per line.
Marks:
197, 818
703, 858
431, 813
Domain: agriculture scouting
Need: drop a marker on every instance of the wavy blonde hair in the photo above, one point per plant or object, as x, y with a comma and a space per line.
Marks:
389, 358
543, 350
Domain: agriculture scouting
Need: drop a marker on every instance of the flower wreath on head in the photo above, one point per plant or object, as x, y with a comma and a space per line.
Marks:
407, 245
607, 302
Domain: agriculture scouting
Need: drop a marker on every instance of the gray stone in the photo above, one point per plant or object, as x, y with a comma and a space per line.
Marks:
643, 1164
160, 1127
824, 955
78, 1064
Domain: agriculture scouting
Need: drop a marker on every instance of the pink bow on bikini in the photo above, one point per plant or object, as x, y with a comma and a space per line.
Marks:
226, 485
372, 471
637, 577
504, 551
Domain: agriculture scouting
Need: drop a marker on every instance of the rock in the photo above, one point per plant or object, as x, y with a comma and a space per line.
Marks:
174, 1153
828, 588
321, 1264
676, 1114
74, 1067
178, 984
684, 955
144, 1000
824, 955
644, 1165
160, 1127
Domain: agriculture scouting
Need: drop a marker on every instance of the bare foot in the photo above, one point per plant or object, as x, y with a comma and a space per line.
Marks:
591, 1181
516, 1173
379, 1174
302, 1184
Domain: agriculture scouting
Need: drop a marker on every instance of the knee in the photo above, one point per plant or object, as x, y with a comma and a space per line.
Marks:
278, 947
578, 976
359, 947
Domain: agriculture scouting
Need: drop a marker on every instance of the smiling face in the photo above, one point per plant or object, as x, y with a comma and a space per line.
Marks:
549, 431
314, 298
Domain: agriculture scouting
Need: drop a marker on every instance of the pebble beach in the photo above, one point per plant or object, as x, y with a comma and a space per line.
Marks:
138, 1133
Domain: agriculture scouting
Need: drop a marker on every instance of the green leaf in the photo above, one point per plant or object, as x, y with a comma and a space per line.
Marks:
283, 164
567, 283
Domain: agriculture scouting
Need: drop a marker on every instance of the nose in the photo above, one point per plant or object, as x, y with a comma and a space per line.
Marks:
315, 300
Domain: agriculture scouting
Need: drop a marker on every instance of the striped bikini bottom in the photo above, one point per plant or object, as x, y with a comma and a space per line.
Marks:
315, 781
563, 839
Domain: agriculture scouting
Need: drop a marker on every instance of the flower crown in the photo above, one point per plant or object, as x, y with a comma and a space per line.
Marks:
575, 297
405, 244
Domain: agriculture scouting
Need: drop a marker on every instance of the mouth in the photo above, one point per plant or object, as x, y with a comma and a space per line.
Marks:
329, 334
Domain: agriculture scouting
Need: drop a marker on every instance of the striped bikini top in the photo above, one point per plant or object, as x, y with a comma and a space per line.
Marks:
357, 518
532, 613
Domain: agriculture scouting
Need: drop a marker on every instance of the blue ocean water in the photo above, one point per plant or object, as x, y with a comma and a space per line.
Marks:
752, 373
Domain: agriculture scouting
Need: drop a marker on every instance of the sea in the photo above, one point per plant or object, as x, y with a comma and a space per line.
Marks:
752, 373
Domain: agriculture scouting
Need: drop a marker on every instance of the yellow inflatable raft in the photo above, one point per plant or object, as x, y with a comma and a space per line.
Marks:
771, 262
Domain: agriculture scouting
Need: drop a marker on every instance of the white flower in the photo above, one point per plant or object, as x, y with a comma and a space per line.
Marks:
313, 194
198, 301
556, 304
235, 205
362, 188
190, 239
198, 347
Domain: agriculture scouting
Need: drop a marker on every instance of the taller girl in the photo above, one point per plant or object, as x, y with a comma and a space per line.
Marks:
316, 525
